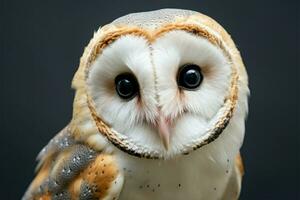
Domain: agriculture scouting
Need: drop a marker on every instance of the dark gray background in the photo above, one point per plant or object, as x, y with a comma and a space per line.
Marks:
42, 41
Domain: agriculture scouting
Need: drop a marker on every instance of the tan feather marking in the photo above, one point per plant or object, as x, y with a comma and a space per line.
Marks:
99, 174
239, 164
74, 188
194, 29
41, 176
43, 197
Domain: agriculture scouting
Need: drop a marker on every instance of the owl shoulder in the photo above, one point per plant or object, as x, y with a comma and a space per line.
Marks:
72, 170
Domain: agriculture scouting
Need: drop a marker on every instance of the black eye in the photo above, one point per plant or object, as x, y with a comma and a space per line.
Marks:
127, 86
189, 76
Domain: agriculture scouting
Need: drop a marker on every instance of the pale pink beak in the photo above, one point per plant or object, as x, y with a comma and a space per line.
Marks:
163, 126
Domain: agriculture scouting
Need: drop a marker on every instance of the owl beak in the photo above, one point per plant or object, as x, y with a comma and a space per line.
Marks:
163, 126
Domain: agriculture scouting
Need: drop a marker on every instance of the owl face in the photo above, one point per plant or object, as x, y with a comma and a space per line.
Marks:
163, 91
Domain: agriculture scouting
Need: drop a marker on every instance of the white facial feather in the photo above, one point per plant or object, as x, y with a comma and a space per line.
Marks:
178, 48
156, 66
128, 54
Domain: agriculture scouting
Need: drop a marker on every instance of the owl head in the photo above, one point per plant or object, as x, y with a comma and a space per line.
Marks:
163, 83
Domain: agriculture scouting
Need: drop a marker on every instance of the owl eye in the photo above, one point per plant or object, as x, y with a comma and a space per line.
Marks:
189, 77
126, 85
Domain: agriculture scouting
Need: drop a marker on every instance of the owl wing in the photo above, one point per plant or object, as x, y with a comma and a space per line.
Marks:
234, 185
70, 170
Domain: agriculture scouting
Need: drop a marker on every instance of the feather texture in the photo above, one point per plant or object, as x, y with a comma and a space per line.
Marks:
103, 152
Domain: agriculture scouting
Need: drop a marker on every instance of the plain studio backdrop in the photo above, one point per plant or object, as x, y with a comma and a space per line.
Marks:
42, 41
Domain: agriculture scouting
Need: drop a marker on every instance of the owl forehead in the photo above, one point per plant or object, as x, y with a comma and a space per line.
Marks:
151, 36
152, 19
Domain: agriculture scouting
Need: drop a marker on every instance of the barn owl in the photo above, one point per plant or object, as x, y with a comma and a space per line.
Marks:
159, 111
